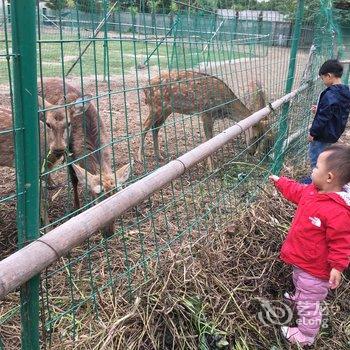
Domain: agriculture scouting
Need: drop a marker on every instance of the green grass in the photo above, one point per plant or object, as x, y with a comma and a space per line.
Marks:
123, 56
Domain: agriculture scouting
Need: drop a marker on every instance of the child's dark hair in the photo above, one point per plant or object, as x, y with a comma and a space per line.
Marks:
331, 66
339, 162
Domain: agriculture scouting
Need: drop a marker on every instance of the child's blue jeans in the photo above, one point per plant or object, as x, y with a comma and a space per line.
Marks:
315, 148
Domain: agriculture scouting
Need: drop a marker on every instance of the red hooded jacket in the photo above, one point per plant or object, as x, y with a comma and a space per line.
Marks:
319, 237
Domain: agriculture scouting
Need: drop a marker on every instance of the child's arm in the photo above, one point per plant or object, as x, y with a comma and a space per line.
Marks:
338, 237
324, 114
290, 189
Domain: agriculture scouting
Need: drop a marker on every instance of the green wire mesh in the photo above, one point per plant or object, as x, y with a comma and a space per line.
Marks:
111, 53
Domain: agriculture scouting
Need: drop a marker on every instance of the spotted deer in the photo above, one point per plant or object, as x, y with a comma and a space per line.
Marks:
88, 144
190, 92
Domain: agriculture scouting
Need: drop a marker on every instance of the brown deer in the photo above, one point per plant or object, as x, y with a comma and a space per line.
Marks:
52, 141
53, 144
7, 149
190, 92
88, 142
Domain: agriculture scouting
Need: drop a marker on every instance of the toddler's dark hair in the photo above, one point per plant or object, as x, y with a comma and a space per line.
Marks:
331, 66
338, 161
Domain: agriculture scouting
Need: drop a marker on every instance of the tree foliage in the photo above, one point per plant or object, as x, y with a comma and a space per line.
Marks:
88, 5
311, 9
56, 5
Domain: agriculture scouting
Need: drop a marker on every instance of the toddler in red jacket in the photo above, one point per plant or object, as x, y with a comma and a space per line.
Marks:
318, 242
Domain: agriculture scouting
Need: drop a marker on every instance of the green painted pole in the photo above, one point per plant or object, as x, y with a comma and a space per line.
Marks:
105, 42
174, 48
283, 122
27, 154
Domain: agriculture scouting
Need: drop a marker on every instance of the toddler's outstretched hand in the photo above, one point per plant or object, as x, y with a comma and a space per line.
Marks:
335, 278
274, 178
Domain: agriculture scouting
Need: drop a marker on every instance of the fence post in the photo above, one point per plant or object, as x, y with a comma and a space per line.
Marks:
27, 154
283, 121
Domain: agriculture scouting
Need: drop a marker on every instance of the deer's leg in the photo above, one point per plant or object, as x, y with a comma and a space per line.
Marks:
74, 180
155, 132
249, 139
208, 123
255, 140
154, 121
146, 128
149, 123
44, 216
162, 115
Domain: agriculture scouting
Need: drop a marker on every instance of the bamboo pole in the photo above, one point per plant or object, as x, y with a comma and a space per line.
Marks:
35, 257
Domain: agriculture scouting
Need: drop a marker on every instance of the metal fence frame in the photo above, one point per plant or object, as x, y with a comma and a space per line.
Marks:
27, 164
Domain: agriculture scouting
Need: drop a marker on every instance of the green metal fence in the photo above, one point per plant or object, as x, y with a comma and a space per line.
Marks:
109, 58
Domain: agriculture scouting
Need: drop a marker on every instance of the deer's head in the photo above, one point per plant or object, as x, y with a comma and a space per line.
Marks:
256, 100
57, 122
103, 183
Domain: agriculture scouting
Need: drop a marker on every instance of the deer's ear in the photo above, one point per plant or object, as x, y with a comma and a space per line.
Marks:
81, 104
123, 173
87, 179
42, 103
